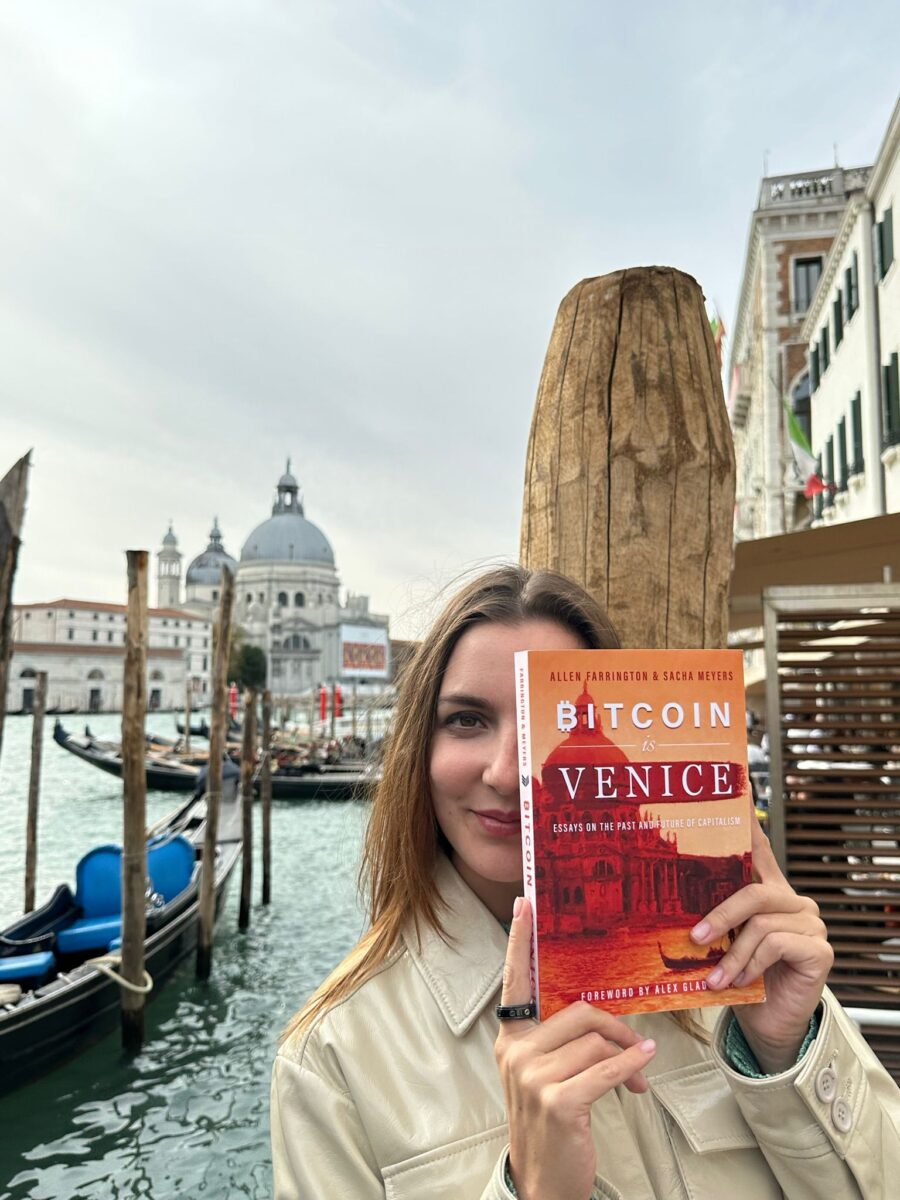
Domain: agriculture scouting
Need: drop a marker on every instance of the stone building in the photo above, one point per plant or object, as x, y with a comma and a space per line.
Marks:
852, 332
791, 231
81, 646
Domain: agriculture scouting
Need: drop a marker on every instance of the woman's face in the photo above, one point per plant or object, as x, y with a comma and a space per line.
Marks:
473, 765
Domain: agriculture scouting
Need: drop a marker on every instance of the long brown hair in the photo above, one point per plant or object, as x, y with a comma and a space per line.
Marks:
403, 839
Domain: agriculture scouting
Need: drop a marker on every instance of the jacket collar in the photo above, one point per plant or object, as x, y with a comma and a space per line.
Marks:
463, 972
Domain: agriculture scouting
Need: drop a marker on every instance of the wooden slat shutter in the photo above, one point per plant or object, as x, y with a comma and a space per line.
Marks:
833, 716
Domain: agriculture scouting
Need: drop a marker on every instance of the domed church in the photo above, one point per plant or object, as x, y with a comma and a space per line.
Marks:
287, 600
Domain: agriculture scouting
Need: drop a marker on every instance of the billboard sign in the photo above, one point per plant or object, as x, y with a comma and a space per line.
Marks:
364, 652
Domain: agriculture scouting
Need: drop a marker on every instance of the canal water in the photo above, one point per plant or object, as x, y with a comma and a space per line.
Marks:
188, 1117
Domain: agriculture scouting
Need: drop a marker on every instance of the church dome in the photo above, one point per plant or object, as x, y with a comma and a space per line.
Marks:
287, 536
170, 541
206, 569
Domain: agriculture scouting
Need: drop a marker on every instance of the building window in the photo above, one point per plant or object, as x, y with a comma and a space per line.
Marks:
95, 615
814, 367
261, 596
824, 352
883, 243
50, 614
856, 467
838, 309
165, 621
215, 593
249, 597
282, 599
28, 673
178, 624
828, 498
93, 635
299, 600
800, 405
187, 641
205, 643
71, 615
95, 674
110, 617
843, 471
891, 382
176, 639
28, 616
817, 499
109, 636
806, 277
205, 663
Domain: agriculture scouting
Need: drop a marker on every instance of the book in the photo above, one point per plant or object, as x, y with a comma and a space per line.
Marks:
636, 808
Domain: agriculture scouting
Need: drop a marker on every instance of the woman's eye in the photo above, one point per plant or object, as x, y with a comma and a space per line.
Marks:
465, 720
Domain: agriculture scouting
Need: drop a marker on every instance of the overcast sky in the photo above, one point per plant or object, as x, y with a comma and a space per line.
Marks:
241, 229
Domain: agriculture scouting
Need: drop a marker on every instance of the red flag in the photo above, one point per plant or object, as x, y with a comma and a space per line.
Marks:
323, 701
338, 701
232, 701
815, 485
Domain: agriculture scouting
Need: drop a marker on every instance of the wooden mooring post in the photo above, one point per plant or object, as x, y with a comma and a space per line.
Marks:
187, 710
134, 778
265, 796
630, 476
248, 768
218, 720
34, 788
13, 490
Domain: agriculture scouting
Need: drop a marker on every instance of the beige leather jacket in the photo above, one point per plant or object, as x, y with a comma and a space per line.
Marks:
395, 1093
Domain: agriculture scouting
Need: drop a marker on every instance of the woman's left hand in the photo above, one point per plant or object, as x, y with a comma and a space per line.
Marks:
784, 940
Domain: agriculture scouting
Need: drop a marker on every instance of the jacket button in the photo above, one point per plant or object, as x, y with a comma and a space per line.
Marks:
842, 1116
826, 1085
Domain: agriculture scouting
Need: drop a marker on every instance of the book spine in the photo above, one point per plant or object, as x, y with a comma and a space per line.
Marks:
526, 807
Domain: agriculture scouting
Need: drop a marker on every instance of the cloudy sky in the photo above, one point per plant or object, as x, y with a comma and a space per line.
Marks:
234, 230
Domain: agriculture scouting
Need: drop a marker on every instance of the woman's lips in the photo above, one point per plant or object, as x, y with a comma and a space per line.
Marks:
498, 823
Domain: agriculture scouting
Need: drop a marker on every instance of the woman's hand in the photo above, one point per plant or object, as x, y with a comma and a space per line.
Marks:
552, 1073
784, 940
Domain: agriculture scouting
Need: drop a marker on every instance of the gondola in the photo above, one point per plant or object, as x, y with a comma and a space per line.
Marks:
201, 730
327, 784
53, 1000
688, 963
167, 775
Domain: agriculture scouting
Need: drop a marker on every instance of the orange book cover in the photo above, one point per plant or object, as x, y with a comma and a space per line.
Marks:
636, 811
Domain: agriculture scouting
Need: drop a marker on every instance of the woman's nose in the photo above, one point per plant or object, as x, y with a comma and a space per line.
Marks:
502, 770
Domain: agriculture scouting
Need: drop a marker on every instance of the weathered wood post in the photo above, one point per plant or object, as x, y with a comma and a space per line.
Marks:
218, 718
265, 796
187, 710
134, 778
629, 479
34, 788
248, 766
355, 696
13, 490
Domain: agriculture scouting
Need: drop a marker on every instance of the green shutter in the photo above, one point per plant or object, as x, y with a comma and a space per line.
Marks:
829, 469
814, 367
843, 473
854, 279
892, 399
817, 499
856, 422
887, 241
824, 351
838, 309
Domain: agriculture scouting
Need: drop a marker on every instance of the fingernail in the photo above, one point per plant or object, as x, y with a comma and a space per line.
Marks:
715, 977
517, 906
701, 931
649, 1046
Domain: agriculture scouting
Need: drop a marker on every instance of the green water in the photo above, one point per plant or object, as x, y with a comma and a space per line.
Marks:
188, 1117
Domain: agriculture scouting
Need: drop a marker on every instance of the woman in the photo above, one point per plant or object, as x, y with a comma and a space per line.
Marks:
397, 1079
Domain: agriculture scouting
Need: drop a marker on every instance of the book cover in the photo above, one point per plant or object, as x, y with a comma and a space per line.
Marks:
636, 811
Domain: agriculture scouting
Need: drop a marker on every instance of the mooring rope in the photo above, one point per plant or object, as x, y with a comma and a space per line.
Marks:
105, 964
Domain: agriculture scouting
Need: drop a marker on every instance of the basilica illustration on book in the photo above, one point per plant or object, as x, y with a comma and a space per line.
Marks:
636, 814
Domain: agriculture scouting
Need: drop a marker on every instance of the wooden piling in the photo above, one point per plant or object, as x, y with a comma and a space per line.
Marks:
355, 695
218, 721
630, 476
34, 788
265, 796
134, 778
248, 767
187, 711
13, 490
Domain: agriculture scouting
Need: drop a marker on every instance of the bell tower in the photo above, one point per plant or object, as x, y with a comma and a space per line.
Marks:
168, 572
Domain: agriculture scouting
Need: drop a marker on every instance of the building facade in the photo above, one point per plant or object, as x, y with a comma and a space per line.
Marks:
852, 332
791, 231
81, 646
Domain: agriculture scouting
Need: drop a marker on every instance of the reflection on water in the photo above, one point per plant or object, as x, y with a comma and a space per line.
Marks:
187, 1118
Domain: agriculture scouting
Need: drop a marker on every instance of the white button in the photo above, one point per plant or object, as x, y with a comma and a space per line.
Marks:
842, 1116
826, 1085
